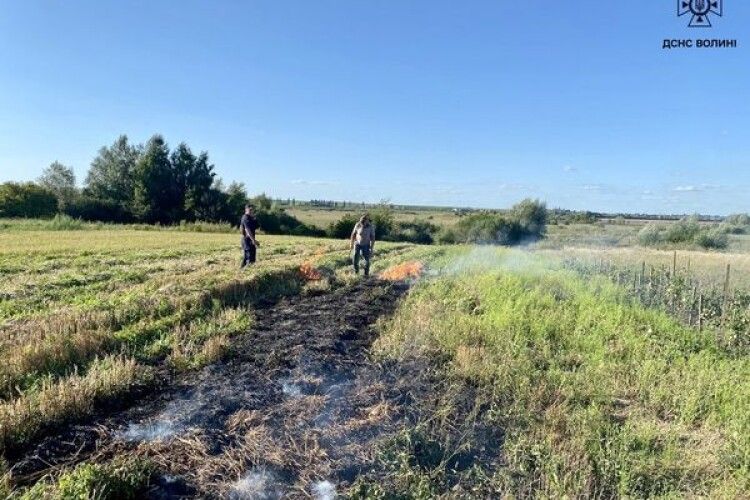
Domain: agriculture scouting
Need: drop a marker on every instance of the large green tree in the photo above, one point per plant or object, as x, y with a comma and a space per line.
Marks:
61, 181
194, 178
111, 176
236, 200
156, 193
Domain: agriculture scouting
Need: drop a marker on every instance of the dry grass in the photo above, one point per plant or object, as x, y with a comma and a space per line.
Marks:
710, 267
85, 311
55, 403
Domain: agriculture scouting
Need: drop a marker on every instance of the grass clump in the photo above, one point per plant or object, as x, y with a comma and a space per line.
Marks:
206, 341
597, 395
121, 478
54, 403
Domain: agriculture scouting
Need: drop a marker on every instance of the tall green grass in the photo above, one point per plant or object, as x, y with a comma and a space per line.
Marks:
597, 395
62, 222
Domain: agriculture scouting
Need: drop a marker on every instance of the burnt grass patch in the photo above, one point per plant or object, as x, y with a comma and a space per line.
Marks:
298, 409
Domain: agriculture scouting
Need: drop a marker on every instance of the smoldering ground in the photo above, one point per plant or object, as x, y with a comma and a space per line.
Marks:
296, 410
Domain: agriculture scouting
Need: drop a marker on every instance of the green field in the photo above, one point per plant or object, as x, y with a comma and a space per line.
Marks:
597, 396
543, 372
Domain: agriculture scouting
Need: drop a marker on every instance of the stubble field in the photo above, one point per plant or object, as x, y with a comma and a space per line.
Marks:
144, 363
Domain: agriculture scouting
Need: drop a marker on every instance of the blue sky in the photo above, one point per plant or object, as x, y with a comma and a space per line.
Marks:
429, 102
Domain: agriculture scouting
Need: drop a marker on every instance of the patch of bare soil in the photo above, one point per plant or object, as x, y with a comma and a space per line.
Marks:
295, 411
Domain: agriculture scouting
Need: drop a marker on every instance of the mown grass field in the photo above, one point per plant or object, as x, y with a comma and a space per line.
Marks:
93, 318
547, 379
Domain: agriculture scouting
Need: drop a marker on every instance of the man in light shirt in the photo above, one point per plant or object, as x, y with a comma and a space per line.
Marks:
363, 243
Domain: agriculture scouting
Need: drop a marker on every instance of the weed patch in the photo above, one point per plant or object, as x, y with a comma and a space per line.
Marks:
597, 395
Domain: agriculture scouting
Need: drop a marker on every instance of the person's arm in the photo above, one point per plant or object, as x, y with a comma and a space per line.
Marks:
372, 238
256, 226
353, 237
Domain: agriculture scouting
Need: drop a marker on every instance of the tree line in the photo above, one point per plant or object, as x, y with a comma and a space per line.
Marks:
141, 183
151, 183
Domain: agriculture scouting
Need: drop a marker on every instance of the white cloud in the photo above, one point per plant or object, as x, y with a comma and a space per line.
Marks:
687, 189
692, 188
569, 168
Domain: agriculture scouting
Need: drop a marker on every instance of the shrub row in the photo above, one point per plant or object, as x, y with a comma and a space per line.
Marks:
688, 231
524, 222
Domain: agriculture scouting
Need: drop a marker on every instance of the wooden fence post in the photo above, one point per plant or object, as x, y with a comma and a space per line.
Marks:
726, 296
692, 303
726, 280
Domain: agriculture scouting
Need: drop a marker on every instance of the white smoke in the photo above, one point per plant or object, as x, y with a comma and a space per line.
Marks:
291, 389
160, 430
257, 484
324, 490
482, 258
167, 424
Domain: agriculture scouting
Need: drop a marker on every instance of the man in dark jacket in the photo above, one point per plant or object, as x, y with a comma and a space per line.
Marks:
248, 225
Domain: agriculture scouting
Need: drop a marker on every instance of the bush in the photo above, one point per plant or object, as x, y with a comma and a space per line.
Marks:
62, 222
342, 228
276, 221
93, 209
524, 222
685, 230
383, 220
713, 238
531, 215
26, 200
736, 224
447, 236
262, 203
483, 229
386, 229
738, 220
728, 228
419, 232
651, 234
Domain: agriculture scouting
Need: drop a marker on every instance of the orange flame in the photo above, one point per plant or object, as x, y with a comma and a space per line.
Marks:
309, 273
307, 270
403, 271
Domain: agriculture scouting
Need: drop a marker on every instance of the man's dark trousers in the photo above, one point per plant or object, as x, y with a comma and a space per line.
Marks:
362, 251
249, 252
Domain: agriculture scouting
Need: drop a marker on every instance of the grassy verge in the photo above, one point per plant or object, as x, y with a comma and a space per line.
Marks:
121, 478
596, 395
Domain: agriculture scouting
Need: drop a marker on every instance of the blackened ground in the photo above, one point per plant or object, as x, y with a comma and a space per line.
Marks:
295, 411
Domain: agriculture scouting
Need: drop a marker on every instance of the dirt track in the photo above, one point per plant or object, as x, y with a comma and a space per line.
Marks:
294, 411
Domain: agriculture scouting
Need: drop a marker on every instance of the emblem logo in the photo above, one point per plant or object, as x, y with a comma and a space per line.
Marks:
700, 11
